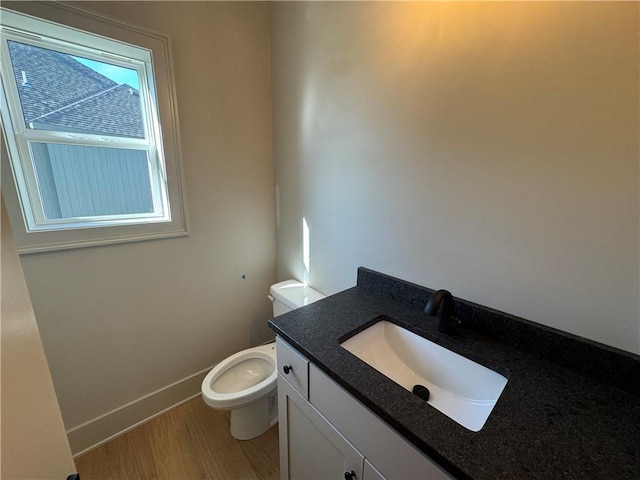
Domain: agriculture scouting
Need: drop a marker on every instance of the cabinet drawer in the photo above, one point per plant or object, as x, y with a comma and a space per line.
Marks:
293, 367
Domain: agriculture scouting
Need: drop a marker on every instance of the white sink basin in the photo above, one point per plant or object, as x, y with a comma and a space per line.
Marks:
460, 388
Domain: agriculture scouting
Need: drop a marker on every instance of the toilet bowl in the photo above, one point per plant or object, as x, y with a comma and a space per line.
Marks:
245, 383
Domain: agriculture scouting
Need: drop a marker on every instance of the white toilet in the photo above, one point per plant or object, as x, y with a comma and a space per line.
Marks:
245, 383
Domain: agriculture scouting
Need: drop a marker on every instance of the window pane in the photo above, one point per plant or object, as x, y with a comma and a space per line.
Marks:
68, 93
79, 181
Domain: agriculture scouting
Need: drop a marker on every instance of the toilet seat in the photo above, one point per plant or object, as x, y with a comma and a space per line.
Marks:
249, 391
256, 376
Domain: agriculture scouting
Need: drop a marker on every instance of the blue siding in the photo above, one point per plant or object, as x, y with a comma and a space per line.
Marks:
46, 184
93, 181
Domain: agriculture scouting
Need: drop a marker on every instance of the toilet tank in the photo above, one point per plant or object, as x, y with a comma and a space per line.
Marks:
291, 294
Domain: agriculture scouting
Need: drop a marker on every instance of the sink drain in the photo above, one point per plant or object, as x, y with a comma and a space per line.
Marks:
421, 391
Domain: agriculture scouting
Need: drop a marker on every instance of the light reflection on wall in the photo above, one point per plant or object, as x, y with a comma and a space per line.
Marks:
305, 250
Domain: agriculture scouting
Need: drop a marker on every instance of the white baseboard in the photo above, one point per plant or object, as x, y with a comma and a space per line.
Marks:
95, 432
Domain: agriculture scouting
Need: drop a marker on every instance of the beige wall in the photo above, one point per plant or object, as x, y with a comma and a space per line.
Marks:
488, 148
491, 149
34, 444
121, 322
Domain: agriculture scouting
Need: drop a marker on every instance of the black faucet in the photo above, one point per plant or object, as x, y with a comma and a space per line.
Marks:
442, 302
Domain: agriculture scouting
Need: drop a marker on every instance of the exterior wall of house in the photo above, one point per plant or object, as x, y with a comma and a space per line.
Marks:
78, 181
131, 329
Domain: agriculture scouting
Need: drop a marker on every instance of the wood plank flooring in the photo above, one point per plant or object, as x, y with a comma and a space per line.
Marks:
191, 441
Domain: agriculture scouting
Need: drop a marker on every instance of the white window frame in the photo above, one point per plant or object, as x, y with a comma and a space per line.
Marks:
121, 44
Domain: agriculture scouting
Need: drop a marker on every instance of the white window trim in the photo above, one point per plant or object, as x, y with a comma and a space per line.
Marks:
25, 175
159, 45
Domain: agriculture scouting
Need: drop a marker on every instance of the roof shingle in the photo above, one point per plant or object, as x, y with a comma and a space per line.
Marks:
66, 95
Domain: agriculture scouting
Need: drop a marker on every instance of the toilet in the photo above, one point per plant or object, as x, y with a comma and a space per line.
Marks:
245, 382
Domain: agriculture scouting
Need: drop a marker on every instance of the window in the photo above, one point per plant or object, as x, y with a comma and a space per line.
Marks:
83, 131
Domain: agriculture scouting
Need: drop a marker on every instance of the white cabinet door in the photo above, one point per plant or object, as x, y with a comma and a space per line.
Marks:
310, 448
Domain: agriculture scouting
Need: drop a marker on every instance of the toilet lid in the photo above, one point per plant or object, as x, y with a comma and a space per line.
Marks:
243, 375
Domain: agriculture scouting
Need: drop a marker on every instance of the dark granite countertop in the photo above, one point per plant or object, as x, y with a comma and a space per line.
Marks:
569, 410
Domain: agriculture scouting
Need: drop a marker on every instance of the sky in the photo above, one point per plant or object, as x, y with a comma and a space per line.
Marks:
119, 75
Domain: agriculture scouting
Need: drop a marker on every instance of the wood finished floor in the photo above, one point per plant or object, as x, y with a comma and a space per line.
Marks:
191, 441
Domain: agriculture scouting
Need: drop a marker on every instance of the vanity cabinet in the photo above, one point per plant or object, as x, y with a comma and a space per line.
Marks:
325, 433
315, 449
